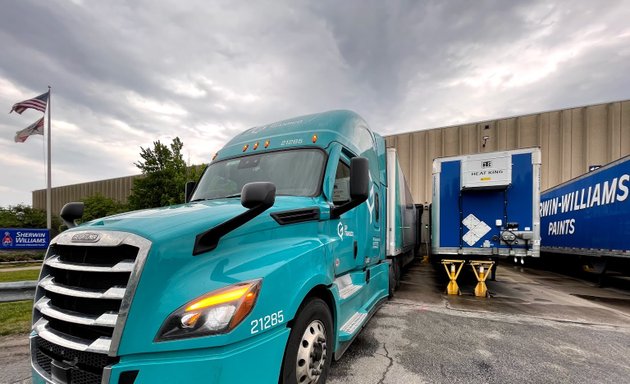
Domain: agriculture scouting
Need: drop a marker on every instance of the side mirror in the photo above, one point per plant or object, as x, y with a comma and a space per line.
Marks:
258, 194
359, 185
359, 179
188, 190
256, 197
71, 212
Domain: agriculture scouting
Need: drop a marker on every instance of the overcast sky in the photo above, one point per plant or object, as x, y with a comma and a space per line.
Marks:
127, 73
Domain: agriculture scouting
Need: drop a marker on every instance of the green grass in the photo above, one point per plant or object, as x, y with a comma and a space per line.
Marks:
15, 317
18, 264
30, 274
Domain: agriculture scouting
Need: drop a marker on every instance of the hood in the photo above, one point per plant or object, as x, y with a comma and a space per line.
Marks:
182, 223
172, 276
156, 223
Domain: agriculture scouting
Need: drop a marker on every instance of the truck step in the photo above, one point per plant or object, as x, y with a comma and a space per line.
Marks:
348, 285
350, 327
349, 290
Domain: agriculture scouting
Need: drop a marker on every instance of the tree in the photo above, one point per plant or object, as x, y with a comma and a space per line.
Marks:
164, 175
97, 206
25, 216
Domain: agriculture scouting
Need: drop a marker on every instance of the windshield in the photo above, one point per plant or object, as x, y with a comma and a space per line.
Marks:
294, 172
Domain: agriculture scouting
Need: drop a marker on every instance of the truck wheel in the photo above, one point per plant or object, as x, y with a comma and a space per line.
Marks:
307, 356
398, 269
392, 278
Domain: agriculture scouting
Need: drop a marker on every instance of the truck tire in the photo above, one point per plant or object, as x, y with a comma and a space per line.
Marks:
307, 356
392, 278
398, 269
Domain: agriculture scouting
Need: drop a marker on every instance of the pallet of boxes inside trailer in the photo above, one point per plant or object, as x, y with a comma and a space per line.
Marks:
589, 215
486, 205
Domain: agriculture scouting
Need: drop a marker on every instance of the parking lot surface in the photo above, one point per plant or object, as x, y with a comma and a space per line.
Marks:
538, 327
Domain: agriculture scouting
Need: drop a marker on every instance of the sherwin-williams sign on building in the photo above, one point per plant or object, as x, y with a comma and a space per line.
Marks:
24, 238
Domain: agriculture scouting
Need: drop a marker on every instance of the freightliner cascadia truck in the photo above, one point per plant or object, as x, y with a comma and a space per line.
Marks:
285, 248
587, 219
487, 205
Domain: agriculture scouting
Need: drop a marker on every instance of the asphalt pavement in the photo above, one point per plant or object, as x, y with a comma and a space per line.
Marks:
538, 327
14, 360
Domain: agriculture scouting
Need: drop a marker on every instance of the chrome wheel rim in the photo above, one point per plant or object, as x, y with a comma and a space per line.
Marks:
312, 354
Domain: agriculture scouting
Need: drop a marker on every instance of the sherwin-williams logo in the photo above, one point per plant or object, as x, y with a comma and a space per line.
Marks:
86, 237
7, 240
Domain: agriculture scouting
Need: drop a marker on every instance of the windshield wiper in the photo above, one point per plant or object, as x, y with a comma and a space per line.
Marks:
232, 195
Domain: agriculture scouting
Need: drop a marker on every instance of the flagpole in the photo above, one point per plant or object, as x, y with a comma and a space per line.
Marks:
48, 191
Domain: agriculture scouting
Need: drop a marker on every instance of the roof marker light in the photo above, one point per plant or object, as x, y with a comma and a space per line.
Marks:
215, 155
256, 146
314, 138
245, 147
266, 143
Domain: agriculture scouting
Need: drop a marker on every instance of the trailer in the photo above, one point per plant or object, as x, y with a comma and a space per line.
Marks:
485, 206
589, 216
402, 223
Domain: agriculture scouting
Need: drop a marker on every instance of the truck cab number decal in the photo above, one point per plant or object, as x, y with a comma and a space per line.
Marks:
291, 142
266, 322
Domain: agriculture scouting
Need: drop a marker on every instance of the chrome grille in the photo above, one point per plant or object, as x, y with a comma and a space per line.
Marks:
87, 367
82, 299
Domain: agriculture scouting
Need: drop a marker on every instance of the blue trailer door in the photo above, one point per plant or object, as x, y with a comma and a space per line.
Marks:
486, 204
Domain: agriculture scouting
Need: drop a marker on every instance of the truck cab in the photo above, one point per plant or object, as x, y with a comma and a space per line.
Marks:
266, 274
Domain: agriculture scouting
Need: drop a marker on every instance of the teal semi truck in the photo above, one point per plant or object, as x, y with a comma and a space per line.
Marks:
287, 245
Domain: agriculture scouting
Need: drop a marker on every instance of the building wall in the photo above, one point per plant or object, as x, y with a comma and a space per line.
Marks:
570, 139
118, 189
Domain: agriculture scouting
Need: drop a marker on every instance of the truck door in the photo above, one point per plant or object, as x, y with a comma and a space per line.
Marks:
355, 229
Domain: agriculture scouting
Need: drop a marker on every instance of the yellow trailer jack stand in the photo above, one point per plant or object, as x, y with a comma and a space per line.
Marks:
453, 268
481, 269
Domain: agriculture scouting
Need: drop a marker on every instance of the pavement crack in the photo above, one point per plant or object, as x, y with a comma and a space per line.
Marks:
391, 363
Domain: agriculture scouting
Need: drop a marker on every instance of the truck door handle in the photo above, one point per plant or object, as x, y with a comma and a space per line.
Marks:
356, 249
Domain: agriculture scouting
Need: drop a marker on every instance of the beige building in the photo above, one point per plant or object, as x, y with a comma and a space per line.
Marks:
570, 139
118, 189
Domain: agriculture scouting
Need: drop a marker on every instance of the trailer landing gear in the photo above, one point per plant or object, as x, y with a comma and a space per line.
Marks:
453, 268
481, 270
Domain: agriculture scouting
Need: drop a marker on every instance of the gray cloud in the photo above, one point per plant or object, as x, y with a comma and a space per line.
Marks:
127, 73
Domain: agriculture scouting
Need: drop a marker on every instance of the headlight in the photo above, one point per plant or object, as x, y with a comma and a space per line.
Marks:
216, 312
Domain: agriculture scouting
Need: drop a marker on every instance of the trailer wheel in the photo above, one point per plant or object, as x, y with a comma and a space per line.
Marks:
308, 353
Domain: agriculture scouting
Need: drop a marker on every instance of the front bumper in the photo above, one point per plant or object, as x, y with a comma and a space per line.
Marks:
254, 360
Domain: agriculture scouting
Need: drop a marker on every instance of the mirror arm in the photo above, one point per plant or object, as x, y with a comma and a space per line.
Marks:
339, 210
257, 197
208, 240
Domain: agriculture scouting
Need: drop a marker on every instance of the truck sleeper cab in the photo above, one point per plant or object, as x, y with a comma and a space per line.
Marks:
268, 272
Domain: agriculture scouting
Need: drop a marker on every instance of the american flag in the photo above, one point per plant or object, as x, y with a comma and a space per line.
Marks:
38, 103
37, 128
